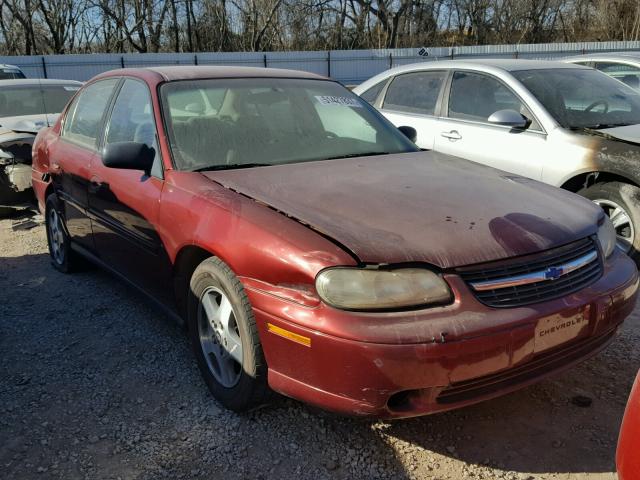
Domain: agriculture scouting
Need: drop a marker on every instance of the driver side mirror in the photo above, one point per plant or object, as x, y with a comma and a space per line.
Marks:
509, 118
129, 156
409, 132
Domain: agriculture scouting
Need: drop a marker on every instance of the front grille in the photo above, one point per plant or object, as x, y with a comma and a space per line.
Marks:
540, 366
531, 267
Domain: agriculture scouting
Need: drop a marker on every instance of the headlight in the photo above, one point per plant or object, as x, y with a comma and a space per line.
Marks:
607, 237
363, 289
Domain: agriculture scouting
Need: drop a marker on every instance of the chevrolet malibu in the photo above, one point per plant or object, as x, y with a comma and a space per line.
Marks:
309, 248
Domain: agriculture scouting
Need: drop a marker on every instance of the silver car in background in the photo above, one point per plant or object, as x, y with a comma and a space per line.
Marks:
26, 106
623, 66
566, 125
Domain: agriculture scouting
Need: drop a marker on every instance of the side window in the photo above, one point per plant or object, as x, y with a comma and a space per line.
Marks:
371, 94
476, 97
132, 119
415, 92
84, 118
625, 73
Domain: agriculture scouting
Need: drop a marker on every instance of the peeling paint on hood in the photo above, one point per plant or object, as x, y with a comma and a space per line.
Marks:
420, 207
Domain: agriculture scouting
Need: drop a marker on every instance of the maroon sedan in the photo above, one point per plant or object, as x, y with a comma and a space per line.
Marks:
311, 249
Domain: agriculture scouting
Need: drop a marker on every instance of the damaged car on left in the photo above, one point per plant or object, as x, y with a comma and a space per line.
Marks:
26, 106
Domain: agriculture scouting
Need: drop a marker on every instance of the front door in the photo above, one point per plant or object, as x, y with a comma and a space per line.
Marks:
71, 155
464, 129
124, 203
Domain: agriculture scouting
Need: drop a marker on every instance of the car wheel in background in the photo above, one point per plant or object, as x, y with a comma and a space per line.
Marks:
621, 202
63, 257
225, 338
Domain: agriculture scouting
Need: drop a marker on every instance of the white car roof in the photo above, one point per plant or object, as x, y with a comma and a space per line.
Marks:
6, 65
508, 65
609, 56
19, 82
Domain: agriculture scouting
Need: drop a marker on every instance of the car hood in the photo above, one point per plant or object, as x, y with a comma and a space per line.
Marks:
28, 123
628, 133
419, 207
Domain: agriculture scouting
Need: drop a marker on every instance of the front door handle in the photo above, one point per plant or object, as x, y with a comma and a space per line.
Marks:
452, 135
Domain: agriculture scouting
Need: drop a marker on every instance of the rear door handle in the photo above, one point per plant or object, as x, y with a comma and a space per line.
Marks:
452, 135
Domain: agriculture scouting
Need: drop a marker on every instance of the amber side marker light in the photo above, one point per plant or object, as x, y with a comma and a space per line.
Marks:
294, 337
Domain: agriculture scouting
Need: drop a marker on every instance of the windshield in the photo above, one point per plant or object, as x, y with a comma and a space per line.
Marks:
583, 98
34, 99
230, 123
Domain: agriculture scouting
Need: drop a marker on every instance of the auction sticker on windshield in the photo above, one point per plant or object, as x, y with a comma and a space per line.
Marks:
343, 101
555, 330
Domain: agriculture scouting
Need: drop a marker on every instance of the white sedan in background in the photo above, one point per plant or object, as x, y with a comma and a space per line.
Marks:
567, 125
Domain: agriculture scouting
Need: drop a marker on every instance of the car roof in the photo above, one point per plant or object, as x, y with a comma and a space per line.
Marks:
194, 72
36, 81
509, 65
6, 65
631, 55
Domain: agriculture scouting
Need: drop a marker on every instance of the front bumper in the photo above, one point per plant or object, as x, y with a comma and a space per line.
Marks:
416, 363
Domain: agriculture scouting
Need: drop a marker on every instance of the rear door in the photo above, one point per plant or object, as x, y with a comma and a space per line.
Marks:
412, 99
70, 156
124, 203
464, 129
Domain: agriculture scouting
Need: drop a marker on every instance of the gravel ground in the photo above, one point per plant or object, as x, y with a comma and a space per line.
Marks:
94, 383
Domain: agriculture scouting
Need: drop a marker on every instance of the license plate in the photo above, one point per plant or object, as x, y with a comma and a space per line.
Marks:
555, 330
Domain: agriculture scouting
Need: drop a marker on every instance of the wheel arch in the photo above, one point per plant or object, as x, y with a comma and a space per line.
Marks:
588, 178
48, 191
186, 261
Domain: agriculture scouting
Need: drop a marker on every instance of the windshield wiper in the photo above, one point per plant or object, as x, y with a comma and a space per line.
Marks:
600, 133
601, 126
353, 155
230, 166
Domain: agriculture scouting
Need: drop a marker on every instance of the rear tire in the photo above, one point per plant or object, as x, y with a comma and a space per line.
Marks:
621, 202
63, 258
225, 339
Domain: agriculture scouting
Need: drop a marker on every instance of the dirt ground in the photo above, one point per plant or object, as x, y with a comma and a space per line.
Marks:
95, 384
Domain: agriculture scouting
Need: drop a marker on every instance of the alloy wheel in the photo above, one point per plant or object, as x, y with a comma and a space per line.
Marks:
625, 232
56, 236
220, 337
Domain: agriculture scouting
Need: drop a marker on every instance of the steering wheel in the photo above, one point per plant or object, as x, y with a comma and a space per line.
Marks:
596, 103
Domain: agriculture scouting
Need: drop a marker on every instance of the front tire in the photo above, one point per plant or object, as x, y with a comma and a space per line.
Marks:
225, 339
621, 202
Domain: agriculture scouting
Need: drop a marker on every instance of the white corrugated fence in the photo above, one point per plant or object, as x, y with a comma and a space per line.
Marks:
347, 66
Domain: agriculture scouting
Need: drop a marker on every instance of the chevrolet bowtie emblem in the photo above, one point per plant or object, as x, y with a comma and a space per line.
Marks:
553, 273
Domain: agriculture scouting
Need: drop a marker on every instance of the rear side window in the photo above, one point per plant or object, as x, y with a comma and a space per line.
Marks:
371, 94
476, 97
84, 117
415, 92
